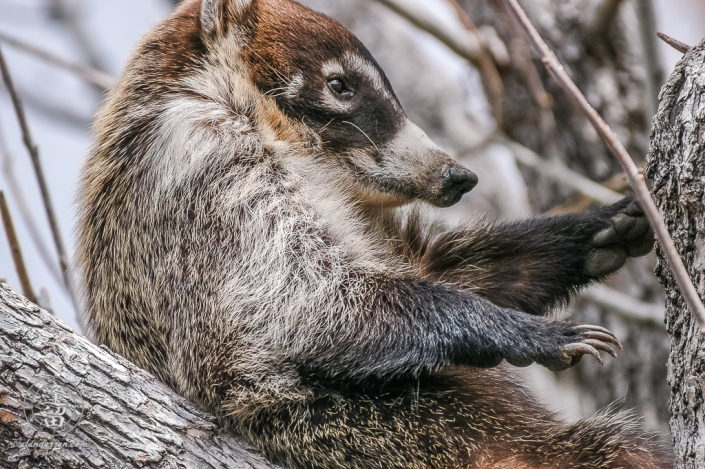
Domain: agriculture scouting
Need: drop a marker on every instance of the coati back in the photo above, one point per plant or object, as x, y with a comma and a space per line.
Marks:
240, 237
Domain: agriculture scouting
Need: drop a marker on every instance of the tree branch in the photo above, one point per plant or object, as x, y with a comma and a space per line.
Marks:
561, 174
636, 180
15, 250
70, 14
98, 79
626, 306
680, 46
603, 15
118, 414
487, 66
8, 170
33, 151
463, 42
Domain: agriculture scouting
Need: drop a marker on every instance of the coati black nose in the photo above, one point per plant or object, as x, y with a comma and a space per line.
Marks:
456, 182
462, 178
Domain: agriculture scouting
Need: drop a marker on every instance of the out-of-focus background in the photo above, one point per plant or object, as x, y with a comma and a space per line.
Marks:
501, 116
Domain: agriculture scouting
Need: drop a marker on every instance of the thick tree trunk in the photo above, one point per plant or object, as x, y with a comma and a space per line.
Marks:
64, 402
676, 163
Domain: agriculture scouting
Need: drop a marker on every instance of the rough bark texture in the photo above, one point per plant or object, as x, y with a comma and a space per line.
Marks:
676, 162
64, 402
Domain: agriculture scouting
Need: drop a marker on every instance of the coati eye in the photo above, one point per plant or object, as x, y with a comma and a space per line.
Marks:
339, 88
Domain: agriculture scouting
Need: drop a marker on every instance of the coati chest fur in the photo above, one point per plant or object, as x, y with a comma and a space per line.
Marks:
240, 236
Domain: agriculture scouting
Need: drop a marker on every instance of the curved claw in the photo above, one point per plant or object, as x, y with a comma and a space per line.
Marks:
595, 328
601, 336
599, 345
584, 349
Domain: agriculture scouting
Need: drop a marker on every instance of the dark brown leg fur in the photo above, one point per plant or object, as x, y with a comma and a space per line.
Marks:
530, 265
466, 418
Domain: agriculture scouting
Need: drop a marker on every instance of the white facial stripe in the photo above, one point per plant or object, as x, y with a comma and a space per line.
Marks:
332, 68
295, 85
365, 68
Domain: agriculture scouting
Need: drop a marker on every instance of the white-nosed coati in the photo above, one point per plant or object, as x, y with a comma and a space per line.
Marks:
240, 238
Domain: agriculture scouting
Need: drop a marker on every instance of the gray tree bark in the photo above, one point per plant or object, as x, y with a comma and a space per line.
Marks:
65, 402
676, 163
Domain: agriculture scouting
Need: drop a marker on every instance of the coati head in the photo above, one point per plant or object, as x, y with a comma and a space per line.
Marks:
325, 81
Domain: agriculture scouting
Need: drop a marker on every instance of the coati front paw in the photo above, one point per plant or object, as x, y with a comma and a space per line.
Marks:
580, 340
628, 235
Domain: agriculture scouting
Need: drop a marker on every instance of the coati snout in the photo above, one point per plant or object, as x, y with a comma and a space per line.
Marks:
456, 182
337, 94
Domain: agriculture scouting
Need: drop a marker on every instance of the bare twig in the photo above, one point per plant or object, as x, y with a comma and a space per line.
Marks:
15, 250
8, 170
653, 63
100, 80
636, 180
466, 45
604, 13
626, 306
43, 187
547, 120
487, 66
680, 46
563, 175
70, 14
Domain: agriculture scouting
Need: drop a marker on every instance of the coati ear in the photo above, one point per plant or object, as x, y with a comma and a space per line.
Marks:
218, 15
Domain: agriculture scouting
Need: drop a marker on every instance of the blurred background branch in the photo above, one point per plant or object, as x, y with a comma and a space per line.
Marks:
33, 150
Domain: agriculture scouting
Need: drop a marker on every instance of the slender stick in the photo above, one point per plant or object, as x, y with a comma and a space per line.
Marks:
70, 13
636, 180
8, 170
486, 64
561, 174
15, 250
33, 151
604, 14
96, 78
680, 46
466, 45
626, 306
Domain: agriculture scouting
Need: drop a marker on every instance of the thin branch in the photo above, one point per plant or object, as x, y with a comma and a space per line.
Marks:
15, 250
626, 306
70, 14
487, 68
636, 180
653, 63
680, 46
604, 13
547, 119
562, 174
466, 44
98, 79
33, 151
8, 170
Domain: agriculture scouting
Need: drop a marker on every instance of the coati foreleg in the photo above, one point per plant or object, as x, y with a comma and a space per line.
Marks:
534, 264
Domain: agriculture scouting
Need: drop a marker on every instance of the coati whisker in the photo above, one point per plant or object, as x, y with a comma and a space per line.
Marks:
363, 133
323, 129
